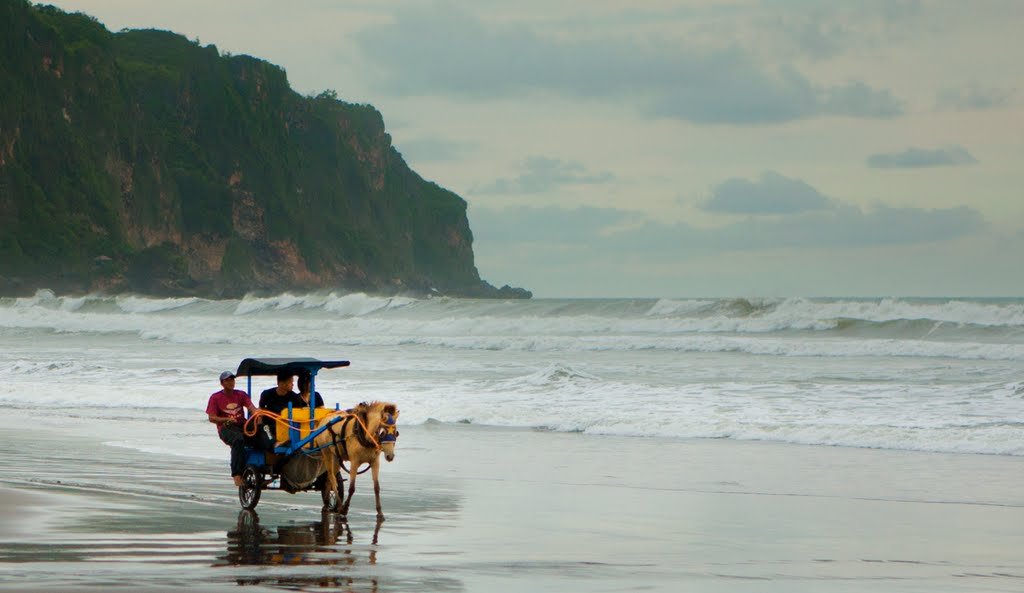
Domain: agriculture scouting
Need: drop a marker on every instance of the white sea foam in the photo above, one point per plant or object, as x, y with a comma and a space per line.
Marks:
134, 304
354, 305
670, 307
345, 305
964, 419
164, 321
45, 298
26, 367
903, 374
799, 313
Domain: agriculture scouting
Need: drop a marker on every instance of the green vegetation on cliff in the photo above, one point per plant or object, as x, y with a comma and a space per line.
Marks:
143, 161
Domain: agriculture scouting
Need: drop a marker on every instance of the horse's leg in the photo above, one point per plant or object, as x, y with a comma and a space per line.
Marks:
376, 532
331, 467
376, 486
353, 470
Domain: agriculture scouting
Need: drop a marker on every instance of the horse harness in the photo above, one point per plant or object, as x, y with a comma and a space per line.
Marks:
388, 433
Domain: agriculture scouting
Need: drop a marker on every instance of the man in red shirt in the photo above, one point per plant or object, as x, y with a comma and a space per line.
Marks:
225, 409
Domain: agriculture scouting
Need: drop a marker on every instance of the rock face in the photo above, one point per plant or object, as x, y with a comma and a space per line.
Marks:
143, 161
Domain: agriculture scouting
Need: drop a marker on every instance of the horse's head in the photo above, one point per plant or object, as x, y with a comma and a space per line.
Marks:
387, 431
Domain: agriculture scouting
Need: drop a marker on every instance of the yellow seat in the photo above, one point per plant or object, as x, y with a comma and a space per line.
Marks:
300, 421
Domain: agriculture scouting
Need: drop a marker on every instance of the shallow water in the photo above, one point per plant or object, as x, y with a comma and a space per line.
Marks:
484, 509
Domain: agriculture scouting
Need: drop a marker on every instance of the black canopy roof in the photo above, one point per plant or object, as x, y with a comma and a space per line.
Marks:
273, 366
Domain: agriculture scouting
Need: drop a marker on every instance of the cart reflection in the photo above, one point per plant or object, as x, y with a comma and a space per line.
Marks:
327, 542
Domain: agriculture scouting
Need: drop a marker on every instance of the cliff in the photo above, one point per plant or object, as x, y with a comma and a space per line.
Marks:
143, 161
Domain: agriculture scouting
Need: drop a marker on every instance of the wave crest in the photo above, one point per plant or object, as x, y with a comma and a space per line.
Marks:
345, 305
557, 373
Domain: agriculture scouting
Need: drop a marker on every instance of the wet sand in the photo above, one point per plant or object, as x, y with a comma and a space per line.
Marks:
485, 509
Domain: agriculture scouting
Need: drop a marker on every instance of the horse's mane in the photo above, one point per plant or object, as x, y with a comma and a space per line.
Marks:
369, 415
370, 412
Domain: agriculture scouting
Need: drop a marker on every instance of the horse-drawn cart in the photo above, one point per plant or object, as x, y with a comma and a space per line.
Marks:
299, 448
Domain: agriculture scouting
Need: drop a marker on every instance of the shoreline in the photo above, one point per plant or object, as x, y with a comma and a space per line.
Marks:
473, 508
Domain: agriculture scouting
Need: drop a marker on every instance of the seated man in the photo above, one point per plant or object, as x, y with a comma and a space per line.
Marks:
277, 398
303, 398
225, 409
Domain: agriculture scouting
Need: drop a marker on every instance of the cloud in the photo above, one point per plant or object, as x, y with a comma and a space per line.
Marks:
440, 50
913, 158
975, 97
820, 40
897, 11
857, 99
526, 224
825, 30
773, 194
434, 149
844, 226
542, 175
803, 218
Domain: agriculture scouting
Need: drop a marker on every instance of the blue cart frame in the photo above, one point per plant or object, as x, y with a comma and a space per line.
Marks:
263, 466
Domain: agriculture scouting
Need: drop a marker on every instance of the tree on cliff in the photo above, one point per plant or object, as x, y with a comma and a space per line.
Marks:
143, 161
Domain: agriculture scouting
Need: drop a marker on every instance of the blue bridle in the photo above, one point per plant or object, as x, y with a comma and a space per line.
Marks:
388, 431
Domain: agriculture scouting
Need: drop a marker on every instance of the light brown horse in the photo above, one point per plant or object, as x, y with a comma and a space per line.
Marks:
368, 430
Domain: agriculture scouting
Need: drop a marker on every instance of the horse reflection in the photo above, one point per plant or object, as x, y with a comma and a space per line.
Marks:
314, 543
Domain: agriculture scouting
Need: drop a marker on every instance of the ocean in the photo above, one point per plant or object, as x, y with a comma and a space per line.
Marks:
546, 445
941, 375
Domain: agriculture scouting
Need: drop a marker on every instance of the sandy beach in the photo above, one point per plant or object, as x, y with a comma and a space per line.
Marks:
473, 508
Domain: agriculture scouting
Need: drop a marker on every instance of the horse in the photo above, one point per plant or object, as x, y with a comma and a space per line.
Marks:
367, 430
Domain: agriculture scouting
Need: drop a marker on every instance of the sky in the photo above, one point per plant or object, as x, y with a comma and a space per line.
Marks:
687, 148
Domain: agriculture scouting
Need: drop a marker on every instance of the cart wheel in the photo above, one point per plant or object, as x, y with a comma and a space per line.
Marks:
249, 491
330, 498
248, 520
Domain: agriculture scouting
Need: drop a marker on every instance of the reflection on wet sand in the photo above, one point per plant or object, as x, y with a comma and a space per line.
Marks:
314, 543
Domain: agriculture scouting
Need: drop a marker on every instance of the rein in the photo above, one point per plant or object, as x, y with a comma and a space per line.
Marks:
365, 436
388, 431
367, 441
341, 449
250, 431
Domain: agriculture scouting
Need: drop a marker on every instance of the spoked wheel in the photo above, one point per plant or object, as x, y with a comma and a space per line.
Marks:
330, 497
252, 484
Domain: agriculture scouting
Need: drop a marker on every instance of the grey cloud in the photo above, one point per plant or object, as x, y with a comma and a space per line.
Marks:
434, 149
899, 12
820, 40
547, 225
846, 226
849, 226
441, 50
739, 93
913, 158
857, 99
975, 98
842, 227
772, 194
824, 30
544, 174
